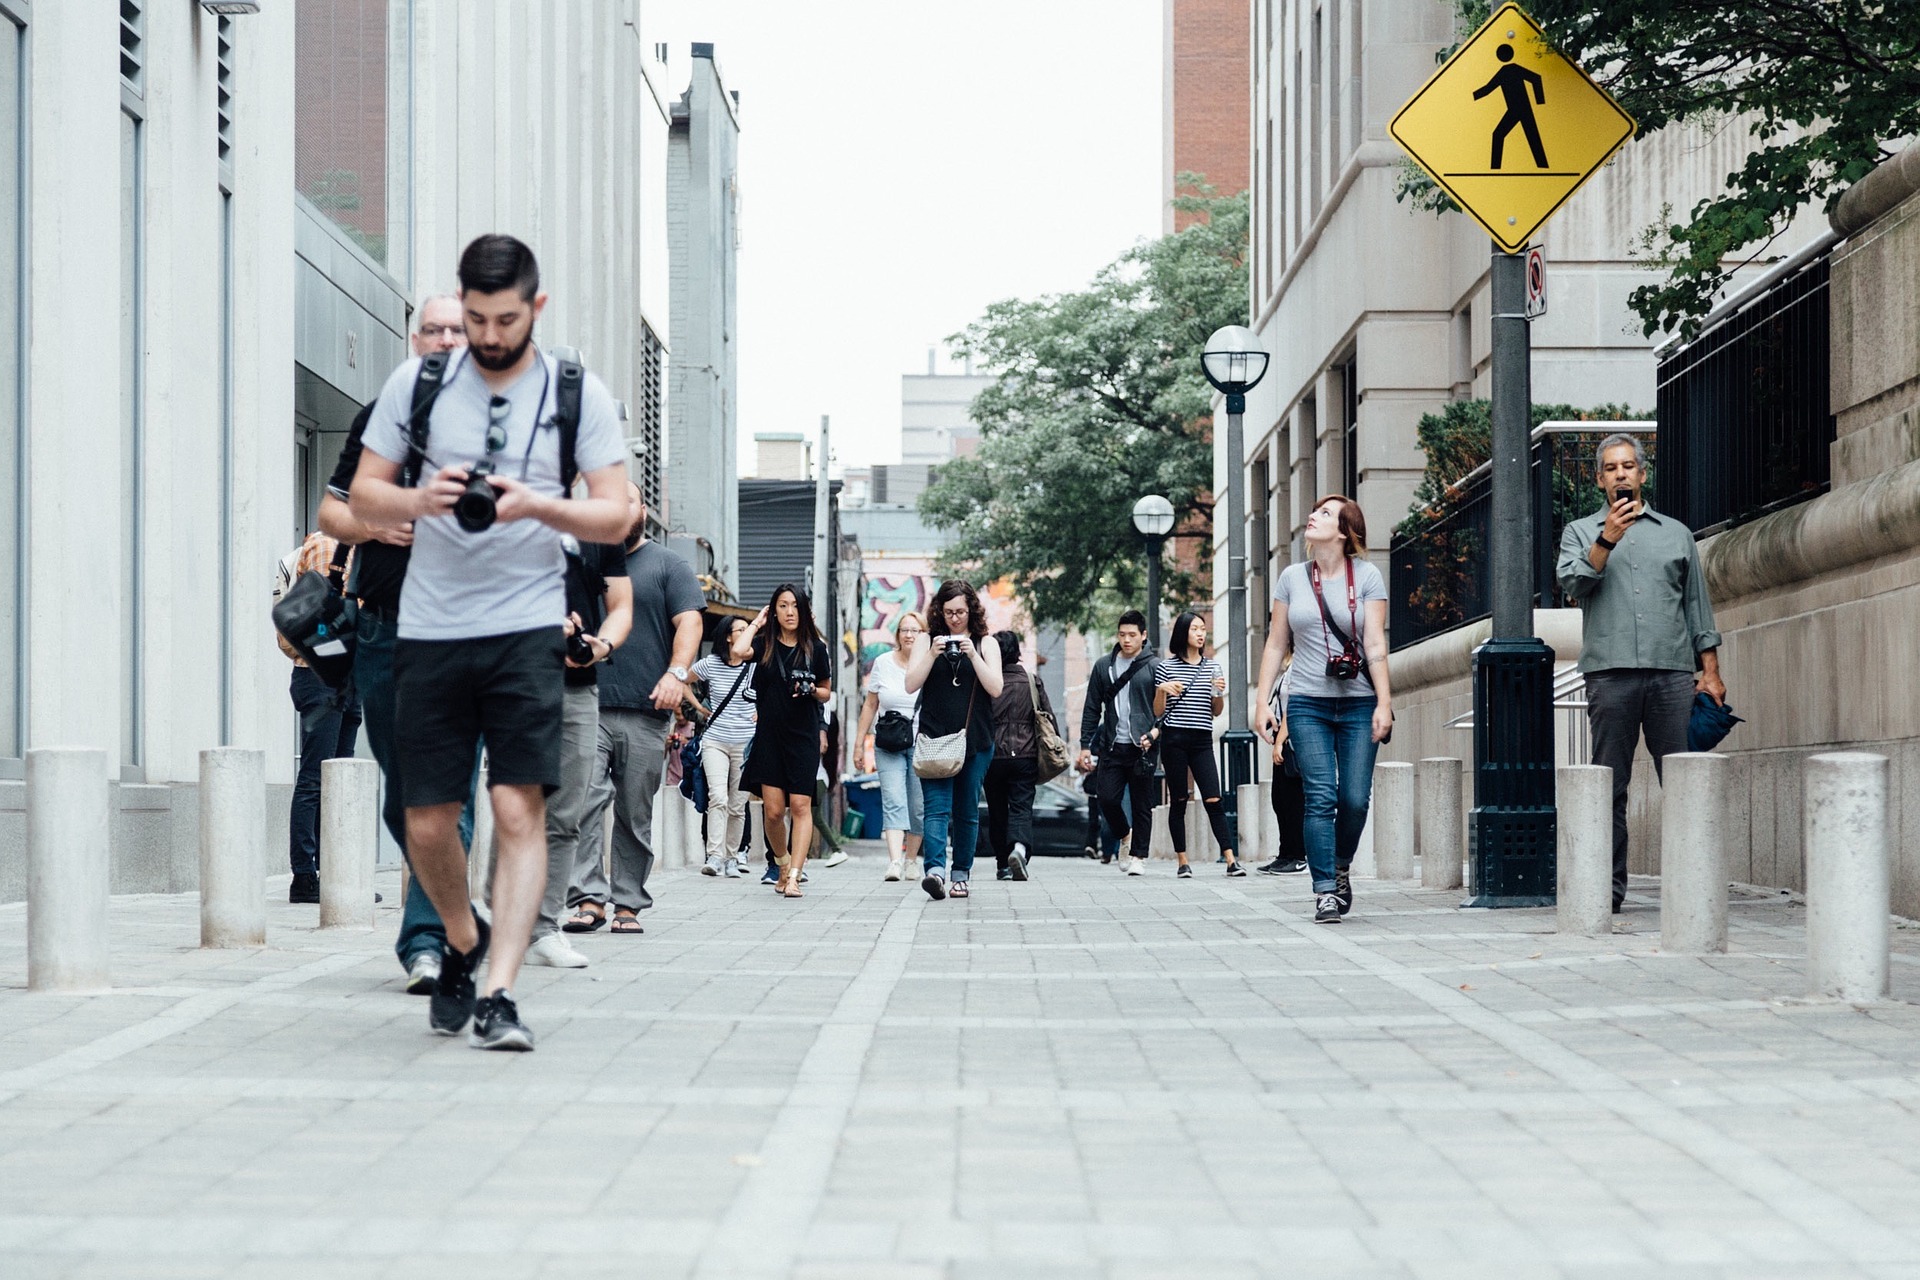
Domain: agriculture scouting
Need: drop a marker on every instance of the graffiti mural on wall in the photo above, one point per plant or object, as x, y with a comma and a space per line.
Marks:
885, 596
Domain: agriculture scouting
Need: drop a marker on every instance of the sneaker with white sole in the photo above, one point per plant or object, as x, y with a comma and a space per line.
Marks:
834, 859
712, 866
895, 869
1124, 854
1017, 861
734, 870
423, 973
1326, 909
1136, 866
555, 952
497, 1025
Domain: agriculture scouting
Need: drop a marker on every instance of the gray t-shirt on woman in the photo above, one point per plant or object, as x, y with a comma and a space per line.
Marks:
1312, 638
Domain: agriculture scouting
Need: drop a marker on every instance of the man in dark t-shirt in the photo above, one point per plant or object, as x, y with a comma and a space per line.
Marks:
380, 569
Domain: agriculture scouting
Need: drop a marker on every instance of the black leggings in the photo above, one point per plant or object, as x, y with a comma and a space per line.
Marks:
1184, 751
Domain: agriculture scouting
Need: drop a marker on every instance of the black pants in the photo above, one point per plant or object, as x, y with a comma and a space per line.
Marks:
322, 738
1008, 788
1184, 752
1114, 782
1622, 704
1290, 810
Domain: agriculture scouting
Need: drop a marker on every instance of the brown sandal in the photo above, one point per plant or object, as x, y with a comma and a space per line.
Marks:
586, 917
626, 922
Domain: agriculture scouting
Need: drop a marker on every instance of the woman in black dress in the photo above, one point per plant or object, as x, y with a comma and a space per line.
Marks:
956, 672
792, 678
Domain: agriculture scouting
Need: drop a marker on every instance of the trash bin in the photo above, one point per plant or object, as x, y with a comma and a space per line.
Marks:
863, 802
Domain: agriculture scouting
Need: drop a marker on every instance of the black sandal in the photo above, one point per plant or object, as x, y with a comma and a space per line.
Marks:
626, 922
586, 917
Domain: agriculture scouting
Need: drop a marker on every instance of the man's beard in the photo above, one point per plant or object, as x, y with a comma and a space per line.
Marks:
638, 530
497, 363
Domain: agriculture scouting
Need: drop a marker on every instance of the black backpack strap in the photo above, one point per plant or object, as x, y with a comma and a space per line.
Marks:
566, 416
426, 389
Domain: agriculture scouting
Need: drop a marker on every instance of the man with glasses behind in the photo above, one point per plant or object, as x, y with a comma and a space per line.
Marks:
481, 647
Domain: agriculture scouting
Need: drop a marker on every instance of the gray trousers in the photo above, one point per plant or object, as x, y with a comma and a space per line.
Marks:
567, 807
631, 761
1623, 704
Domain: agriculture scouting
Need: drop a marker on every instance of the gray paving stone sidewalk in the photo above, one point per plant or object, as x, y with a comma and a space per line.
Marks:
1082, 1076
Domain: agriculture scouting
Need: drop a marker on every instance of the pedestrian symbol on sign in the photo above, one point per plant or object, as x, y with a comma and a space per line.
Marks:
1513, 82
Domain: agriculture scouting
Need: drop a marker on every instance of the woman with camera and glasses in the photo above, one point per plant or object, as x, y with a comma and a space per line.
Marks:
1189, 691
957, 675
791, 680
1331, 613
887, 713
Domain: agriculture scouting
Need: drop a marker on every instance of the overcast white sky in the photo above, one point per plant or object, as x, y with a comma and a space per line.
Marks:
903, 163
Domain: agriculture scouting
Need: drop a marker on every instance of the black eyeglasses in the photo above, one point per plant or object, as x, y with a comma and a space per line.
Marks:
497, 410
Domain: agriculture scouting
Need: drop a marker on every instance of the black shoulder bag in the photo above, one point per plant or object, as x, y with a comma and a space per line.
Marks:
317, 619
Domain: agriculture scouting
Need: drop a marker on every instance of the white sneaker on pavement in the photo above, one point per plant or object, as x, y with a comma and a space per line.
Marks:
834, 859
895, 869
712, 866
1136, 866
555, 952
1124, 855
734, 870
423, 974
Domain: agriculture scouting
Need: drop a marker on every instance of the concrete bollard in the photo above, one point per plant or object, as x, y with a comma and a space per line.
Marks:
756, 831
480, 852
233, 847
1393, 820
1693, 855
1849, 924
1254, 817
1583, 864
67, 869
1437, 788
1159, 837
349, 841
1199, 832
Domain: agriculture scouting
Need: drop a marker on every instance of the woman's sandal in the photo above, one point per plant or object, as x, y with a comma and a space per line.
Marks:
586, 917
792, 888
958, 889
626, 922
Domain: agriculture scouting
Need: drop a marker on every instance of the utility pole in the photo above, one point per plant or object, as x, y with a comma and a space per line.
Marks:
821, 588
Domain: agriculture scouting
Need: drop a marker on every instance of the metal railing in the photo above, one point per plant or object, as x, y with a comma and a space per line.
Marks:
1746, 426
1440, 575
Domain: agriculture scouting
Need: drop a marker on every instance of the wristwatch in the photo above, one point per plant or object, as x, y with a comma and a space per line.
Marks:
678, 673
1601, 539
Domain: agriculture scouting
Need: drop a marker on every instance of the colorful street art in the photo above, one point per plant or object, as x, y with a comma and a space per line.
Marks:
887, 594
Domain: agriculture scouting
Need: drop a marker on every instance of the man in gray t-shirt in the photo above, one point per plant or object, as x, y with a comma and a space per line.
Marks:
480, 651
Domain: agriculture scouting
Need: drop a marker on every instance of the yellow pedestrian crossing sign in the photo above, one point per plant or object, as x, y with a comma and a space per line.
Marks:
1510, 127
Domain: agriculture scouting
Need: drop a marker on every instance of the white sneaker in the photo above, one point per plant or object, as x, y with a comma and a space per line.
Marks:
734, 870
1122, 856
555, 952
1136, 866
895, 869
712, 865
423, 975
834, 859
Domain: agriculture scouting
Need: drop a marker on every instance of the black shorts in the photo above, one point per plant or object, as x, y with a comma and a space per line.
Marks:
448, 694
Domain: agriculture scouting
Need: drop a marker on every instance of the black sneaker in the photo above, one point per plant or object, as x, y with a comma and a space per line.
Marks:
1004, 873
305, 887
935, 883
1236, 868
1291, 868
452, 1003
1185, 872
1017, 862
771, 875
497, 1025
1326, 909
1343, 889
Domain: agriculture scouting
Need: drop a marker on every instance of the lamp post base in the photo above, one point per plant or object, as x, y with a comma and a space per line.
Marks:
1238, 751
1513, 830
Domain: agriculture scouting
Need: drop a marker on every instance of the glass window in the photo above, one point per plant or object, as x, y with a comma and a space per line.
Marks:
340, 116
12, 458
132, 391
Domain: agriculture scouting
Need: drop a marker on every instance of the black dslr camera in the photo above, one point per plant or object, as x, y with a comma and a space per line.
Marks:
475, 509
579, 650
803, 683
1344, 665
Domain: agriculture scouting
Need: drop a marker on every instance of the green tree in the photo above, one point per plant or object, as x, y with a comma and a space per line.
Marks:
1819, 86
1098, 400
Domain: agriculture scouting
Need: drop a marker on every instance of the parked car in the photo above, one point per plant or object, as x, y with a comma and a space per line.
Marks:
1059, 822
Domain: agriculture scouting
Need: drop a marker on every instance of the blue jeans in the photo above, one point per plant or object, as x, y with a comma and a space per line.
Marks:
1333, 738
901, 798
420, 927
323, 736
952, 806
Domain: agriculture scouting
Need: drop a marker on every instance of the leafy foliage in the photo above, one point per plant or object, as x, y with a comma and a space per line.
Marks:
1820, 86
1099, 400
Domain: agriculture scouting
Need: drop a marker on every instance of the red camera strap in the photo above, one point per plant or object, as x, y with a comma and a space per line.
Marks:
1353, 609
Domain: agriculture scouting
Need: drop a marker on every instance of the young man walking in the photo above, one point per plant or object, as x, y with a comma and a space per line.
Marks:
481, 644
1648, 641
1117, 714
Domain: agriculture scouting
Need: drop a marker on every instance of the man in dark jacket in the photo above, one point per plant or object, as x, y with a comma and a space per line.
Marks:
1118, 714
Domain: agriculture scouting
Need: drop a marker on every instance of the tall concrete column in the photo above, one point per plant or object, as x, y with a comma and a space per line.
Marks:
349, 841
1159, 839
1849, 925
1583, 901
233, 847
67, 869
1438, 790
1693, 855
1256, 824
1393, 820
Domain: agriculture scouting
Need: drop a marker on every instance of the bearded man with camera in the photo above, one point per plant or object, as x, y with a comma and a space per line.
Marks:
479, 450
1648, 646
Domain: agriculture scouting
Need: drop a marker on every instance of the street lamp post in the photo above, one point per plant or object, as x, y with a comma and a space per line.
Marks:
1153, 517
1234, 362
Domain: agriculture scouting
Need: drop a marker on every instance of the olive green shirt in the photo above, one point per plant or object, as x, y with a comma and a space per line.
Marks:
1648, 609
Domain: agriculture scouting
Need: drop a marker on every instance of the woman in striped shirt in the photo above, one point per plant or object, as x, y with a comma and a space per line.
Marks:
1189, 691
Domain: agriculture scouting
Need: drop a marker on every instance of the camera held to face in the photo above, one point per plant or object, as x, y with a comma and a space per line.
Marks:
1344, 665
475, 509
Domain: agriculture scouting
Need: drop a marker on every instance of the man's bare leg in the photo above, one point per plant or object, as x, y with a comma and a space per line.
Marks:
440, 864
519, 880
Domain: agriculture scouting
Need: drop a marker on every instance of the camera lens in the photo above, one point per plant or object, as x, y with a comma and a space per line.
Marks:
475, 509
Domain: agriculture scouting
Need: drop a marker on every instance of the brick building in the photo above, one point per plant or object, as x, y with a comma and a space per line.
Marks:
1208, 78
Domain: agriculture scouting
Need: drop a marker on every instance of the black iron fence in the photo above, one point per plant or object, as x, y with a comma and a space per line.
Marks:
1441, 574
1745, 420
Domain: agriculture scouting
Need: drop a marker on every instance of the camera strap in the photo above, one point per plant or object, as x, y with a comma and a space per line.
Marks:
1326, 615
426, 389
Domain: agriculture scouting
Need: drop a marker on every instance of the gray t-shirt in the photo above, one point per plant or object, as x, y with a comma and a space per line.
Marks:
510, 577
1312, 637
664, 586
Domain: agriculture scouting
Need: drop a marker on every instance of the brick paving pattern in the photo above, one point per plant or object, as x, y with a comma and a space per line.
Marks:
1083, 1076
